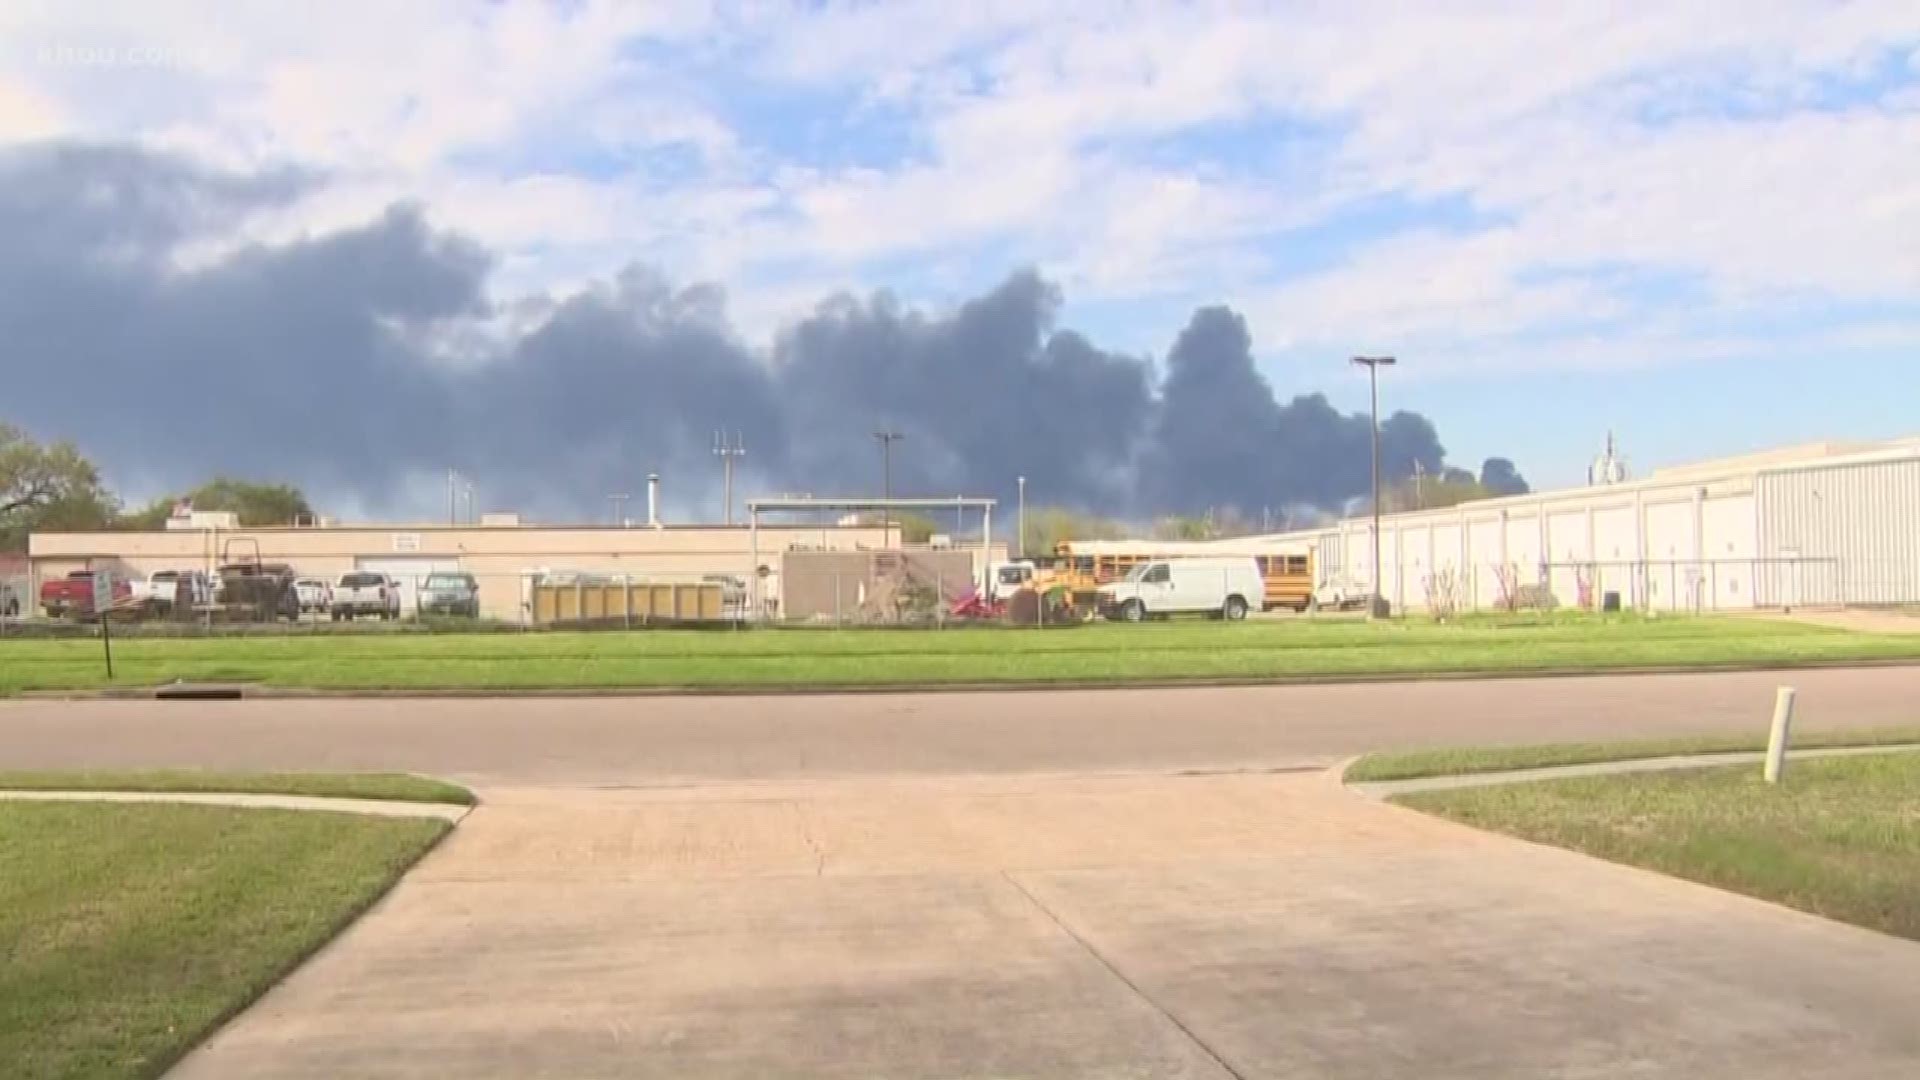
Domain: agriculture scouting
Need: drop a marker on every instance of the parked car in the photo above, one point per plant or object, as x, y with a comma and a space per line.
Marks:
1228, 587
1340, 593
449, 594
73, 595
365, 592
314, 594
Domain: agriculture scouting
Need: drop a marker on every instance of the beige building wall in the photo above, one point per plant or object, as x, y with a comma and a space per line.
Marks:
500, 557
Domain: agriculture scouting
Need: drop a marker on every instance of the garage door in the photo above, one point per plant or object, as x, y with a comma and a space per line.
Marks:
409, 573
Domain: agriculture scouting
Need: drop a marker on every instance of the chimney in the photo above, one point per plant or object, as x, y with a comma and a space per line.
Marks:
653, 500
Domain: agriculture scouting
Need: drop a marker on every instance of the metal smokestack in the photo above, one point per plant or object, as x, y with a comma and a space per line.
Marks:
653, 500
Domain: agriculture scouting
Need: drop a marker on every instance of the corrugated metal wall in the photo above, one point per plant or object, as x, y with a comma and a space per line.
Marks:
1854, 529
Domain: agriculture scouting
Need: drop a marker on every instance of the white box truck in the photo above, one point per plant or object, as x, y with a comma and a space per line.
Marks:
1228, 587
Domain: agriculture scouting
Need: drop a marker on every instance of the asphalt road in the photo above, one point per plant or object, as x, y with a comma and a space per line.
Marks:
642, 740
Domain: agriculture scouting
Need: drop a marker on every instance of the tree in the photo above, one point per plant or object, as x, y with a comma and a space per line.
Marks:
1499, 477
257, 504
914, 527
1178, 527
1048, 526
47, 487
1450, 488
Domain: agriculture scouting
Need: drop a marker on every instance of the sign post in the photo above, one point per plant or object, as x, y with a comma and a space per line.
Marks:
102, 609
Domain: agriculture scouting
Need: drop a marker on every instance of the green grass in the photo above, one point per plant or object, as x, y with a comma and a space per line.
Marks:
1836, 838
398, 787
129, 932
1099, 653
1459, 761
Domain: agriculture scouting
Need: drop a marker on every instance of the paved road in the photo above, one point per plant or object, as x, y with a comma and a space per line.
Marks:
624, 741
1022, 885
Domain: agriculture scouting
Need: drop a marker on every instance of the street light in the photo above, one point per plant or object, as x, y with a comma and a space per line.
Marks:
728, 453
887, 437
1023, 517
1377, 607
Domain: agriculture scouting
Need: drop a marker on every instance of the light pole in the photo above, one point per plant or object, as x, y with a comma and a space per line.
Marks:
887, 437
1377, 607
1023, 517
727, 453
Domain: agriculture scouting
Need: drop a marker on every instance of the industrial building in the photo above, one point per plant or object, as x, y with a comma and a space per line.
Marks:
1821, 524
838, 568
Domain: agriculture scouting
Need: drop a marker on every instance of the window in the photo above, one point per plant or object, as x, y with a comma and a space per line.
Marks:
1296, 564
1157, 574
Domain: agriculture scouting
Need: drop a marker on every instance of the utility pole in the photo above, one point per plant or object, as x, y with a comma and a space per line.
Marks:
727, 454
1419, 485
887, 437
1377, 608
452, 497
1023, 517
619, 501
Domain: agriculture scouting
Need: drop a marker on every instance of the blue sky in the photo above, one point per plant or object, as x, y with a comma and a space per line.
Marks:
1699, 228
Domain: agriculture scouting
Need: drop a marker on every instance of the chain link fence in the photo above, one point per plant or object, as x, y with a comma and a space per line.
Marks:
890, 588
1675, 585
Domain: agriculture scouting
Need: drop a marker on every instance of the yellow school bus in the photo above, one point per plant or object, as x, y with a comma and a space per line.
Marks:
1286, 568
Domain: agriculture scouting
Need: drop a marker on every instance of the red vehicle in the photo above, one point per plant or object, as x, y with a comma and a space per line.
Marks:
73, 595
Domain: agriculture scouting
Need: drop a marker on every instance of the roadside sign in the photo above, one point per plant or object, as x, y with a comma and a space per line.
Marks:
102, 608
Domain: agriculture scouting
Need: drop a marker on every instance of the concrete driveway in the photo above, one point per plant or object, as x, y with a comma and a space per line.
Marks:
1249, 925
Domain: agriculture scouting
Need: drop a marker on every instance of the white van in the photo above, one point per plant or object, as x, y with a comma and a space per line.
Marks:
1229, 587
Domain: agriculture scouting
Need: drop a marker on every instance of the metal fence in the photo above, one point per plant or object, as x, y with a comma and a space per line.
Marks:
882, 588
443, 600
1679, 585
16, 596
863, 589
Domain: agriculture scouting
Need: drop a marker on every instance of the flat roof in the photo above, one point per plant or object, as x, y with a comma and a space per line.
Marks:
852, 503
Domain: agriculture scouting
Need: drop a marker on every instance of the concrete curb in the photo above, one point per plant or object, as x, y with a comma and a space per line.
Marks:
452, 813
1383, 789
202, 692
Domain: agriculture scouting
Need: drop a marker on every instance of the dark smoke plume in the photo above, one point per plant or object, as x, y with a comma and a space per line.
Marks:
362, 364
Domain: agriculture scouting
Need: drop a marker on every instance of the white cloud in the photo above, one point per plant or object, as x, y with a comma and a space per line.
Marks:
1580, 149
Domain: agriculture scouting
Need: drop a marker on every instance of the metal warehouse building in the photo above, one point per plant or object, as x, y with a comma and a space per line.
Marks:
1828, 523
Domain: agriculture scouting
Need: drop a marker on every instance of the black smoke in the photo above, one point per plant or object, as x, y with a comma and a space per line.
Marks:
1499, 477
362, 364
1221, 440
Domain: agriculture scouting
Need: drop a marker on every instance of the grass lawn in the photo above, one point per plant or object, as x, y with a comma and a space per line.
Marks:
1839, 837
129, 932
1102, 652
1459, 761
398, 787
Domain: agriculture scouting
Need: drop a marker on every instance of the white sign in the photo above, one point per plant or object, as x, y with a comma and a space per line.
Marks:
102, 591
406, 541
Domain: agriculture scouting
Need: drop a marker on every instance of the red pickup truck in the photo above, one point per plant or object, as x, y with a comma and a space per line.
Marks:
73, 595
